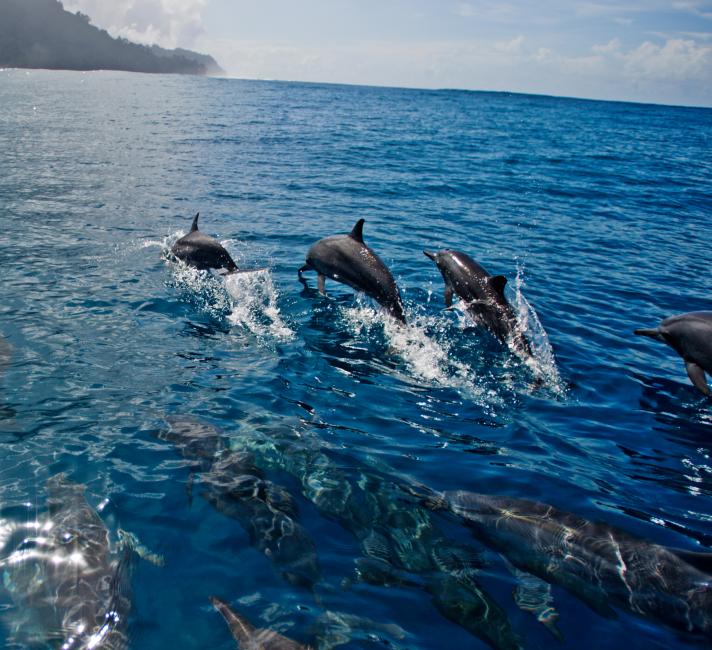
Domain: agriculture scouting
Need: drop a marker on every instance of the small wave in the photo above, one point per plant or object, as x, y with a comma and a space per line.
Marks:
427, 359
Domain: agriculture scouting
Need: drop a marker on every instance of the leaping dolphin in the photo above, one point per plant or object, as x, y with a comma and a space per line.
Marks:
347, 259
249, 636
690, 335
482, 295
203, 251
594, 561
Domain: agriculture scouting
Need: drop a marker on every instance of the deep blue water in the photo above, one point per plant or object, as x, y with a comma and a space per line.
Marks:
598, 213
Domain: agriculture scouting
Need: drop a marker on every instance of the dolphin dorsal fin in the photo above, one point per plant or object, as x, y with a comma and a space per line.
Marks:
194, 227
699, 560
498, 282
357, 232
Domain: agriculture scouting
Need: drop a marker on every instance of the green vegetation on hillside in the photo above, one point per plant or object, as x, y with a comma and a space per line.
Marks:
42, 34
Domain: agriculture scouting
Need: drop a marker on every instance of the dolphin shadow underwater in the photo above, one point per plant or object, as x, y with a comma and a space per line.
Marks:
347, 259
237, 489
597, 563
690, 335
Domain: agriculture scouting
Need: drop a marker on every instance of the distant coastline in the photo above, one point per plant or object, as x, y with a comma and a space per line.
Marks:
42, 34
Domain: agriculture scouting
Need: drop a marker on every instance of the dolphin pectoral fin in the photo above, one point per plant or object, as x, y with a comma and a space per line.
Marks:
448, 296
357, 232
697, 377
194, 226
321, 284
301, 270
498, 282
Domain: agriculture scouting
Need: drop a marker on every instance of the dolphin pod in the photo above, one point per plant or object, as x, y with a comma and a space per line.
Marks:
596, 562
690, 335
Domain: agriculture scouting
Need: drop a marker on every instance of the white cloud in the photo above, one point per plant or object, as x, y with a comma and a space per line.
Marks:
170, 23
675, 70
465, 9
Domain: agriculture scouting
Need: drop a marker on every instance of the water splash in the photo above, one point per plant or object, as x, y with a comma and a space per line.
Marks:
542, 363
248, 299
255, 306
426, 358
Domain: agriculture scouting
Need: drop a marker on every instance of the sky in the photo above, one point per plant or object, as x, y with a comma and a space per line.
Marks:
643, 50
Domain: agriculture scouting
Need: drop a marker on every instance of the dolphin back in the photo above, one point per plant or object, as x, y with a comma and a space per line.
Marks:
347, 259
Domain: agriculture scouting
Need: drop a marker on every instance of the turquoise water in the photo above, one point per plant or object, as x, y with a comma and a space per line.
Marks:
598, 213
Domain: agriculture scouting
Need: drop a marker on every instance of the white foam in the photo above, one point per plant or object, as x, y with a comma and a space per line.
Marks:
255, 307
426, 358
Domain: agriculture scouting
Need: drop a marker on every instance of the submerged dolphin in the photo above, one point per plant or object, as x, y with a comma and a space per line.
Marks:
202, 251
347, 259
596, 562
237, 488
690, 335
70, 587
482, 295
250, 637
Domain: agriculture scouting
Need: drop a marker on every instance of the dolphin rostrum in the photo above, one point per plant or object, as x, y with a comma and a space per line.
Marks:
690, 335
597, 563
202, 251
482, 295
250, 637
347, 259
71, 588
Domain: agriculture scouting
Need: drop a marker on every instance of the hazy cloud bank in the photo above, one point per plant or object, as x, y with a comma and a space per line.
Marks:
169, 23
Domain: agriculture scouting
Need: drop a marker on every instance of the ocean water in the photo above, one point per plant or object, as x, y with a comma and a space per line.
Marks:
599, 215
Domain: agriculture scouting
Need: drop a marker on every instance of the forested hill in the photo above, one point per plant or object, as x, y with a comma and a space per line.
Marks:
42, 34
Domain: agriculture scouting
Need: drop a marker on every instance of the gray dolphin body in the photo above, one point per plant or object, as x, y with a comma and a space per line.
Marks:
482, 294
248, 636
690, 335
347, 259
237, 488
71, 588
596, 562
202, 251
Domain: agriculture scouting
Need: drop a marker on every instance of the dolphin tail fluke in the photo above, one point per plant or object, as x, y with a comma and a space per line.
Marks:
650, 333
357, 232
194, 226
